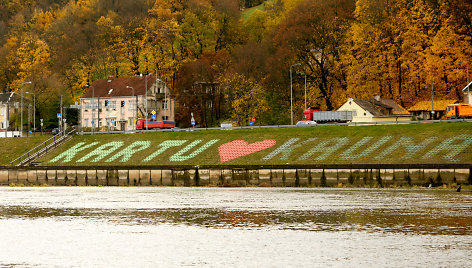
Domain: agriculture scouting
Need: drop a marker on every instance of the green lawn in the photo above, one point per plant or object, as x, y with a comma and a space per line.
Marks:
395, 144
14, 147
248, 12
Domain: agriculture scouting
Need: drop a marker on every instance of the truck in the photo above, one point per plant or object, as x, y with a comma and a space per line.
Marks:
319, 116
142, 123
459, 110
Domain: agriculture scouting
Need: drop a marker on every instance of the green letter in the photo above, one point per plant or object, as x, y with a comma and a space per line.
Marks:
287, 148
164, 146
130, 150
100, 152
326, 150
408, 145
69, 154
453, 149
178, 157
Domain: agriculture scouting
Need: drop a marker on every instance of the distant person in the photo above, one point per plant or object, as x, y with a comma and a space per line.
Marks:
459, 189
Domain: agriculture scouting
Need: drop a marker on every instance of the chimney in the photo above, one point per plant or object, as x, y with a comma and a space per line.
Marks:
377, 97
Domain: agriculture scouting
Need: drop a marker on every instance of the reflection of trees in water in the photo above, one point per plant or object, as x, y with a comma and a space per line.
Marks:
369, 220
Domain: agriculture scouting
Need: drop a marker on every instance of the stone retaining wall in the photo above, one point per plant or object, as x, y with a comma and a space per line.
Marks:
234, 177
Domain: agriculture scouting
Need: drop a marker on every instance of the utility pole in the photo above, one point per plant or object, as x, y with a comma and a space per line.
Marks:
146, 101
305, 88
60, 118
29, 119
432, 100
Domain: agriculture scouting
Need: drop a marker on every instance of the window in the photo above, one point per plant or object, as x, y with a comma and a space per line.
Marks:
85, 123
131, 121
131, 105
165, 117
164, 105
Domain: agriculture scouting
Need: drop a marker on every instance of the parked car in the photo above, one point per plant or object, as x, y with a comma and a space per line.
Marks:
306, 123
55, 131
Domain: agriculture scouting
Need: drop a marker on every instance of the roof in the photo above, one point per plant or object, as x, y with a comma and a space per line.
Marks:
467, 87
116, 87
10, 97
378, 106
439, 105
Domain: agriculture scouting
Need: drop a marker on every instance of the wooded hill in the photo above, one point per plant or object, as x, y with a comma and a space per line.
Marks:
225, 61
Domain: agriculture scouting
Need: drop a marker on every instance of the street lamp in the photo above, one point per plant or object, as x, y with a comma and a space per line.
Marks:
135, 111
21, 92
34, 110
93, 106
291, 93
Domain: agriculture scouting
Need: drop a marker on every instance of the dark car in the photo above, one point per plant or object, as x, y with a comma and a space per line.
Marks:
55, 131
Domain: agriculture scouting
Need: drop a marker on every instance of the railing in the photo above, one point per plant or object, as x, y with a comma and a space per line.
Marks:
277, 126
43, 148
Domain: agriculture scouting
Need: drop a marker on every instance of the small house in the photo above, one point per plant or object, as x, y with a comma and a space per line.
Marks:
376, 109
430, 110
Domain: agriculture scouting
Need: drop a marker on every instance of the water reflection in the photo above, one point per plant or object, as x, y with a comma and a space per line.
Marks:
253, 227
427, 215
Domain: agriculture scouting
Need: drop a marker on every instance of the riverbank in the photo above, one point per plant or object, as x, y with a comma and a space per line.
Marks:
448, 143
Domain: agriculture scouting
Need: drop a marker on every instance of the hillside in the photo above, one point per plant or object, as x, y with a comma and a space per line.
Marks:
223, 64
14, 147
393, 144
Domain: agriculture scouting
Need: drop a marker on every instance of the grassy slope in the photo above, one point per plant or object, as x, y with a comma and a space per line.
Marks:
248, 12
12, 148
417, 132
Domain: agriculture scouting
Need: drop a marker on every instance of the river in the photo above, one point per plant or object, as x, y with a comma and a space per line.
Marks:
234, 227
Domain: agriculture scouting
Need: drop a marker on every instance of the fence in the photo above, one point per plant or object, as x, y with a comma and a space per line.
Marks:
278, 126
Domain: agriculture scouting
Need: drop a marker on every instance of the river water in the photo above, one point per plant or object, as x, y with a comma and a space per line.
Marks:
234, 227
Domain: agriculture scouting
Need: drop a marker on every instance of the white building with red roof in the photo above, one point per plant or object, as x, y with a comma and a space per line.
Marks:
116, 103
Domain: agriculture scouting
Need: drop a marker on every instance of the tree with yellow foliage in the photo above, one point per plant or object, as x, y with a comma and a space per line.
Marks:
247, 98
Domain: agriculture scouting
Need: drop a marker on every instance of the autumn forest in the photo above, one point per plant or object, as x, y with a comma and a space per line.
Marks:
231, 60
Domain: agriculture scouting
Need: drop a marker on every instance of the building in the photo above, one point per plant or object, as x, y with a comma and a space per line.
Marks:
115, 103
376, 109
9, 105
424, 110
467, 93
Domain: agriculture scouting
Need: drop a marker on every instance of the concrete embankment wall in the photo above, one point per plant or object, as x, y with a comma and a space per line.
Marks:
234, 176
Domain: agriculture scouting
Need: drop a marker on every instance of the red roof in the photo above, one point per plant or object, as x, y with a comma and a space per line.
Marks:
115, 87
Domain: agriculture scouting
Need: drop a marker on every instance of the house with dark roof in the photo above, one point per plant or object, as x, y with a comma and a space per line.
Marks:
376, 109
116, 103
430, 110
9, 104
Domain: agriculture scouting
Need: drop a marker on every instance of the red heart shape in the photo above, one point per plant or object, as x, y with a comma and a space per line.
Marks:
238, 148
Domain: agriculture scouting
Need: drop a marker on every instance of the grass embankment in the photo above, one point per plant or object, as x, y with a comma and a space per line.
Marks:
13, 148
248, 12
389, 144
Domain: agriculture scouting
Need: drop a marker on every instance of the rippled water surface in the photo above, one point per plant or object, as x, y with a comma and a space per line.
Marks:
234, 227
